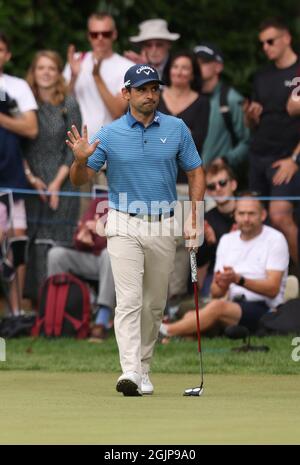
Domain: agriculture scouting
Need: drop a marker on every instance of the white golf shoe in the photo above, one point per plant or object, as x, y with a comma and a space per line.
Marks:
147, 386
129, 384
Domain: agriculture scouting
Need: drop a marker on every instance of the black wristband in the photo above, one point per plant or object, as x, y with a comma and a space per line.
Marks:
241, 281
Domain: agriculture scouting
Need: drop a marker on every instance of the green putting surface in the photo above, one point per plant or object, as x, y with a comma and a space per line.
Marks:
84, 408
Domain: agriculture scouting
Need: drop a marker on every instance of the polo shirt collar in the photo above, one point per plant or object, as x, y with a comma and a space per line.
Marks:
132, 121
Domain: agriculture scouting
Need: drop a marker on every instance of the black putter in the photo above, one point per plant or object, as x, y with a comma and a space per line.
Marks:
241, 332
196, 391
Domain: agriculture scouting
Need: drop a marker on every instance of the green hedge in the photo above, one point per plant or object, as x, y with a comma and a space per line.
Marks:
36, 24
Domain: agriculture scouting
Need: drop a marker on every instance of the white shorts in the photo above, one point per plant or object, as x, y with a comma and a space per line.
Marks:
18, 216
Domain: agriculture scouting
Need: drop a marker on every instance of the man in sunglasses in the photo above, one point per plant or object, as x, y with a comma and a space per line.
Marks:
221, 184
273, 150
96, 77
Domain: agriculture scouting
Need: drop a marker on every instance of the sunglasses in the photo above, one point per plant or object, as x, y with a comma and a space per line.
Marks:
269, 41
104, 34
213, 185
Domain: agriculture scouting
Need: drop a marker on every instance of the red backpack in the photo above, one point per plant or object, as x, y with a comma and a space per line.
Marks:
63, 308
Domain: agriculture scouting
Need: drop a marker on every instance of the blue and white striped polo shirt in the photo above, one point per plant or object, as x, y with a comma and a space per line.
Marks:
142, 163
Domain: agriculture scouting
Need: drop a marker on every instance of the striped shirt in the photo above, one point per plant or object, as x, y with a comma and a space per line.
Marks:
142, 163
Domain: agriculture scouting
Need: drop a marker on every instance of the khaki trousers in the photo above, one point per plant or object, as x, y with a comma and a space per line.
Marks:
142, 256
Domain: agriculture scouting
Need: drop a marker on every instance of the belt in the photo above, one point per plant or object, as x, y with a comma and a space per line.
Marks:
151, 218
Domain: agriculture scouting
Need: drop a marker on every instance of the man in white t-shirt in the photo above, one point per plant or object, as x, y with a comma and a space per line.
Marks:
250, 274
22, 120
17, 119
96, 77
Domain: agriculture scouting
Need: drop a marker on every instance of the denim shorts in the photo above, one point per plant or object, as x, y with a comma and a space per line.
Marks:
252, 313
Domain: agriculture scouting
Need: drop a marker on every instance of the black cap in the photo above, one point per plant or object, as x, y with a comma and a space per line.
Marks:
138, 75
209, 52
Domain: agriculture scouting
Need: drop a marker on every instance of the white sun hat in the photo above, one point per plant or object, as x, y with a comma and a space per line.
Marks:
154, 29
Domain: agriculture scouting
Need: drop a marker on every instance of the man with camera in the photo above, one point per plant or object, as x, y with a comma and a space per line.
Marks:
17, 119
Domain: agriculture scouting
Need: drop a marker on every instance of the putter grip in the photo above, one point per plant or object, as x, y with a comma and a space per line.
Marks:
193, 261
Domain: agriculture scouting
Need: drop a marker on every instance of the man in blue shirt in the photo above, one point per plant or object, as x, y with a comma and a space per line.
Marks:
142, 150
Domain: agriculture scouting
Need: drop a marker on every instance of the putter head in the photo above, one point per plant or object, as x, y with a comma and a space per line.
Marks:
194, 392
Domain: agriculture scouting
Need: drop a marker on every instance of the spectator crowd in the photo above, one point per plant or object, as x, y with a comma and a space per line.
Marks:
250, 148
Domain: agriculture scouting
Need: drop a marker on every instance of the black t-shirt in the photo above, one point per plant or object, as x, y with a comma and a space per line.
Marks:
221, 224
196, 118
277, 133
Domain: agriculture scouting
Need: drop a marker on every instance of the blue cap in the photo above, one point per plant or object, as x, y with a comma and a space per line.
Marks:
209, 52
138, 75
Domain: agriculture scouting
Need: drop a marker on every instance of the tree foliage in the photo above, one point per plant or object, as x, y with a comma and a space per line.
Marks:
37, 24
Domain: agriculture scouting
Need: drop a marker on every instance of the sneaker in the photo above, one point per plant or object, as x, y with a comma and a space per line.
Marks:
129, 384
147, 386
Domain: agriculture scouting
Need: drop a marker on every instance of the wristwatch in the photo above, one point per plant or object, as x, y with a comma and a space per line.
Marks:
241, 281
296, 158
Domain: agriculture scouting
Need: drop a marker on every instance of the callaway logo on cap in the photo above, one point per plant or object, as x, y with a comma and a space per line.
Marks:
139, 75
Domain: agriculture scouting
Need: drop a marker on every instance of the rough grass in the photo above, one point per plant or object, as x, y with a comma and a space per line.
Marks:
69, 355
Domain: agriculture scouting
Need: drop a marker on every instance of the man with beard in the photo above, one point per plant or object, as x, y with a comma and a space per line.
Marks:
143, 150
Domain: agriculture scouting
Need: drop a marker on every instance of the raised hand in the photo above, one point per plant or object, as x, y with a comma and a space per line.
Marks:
135, 57
80, 146
96, 67
74, 62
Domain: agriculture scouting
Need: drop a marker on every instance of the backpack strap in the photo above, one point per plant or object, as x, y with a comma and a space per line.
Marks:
35, 331
225, 110
62, 295
81, 326
50, 308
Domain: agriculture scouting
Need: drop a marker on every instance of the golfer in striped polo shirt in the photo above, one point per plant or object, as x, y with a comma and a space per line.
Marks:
142, 150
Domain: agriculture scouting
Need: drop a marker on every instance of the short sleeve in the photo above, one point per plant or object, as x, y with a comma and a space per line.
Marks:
278, 258
25, 98
98, 158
